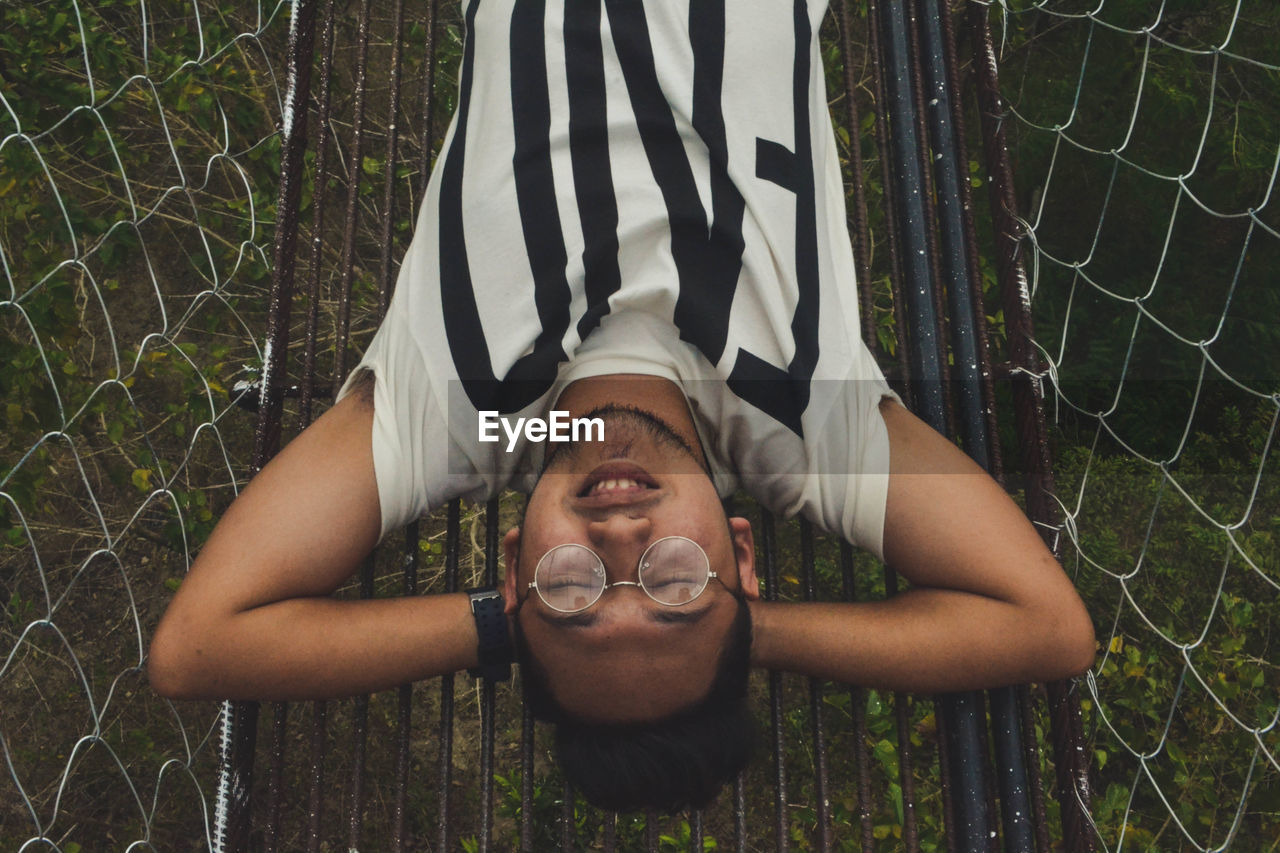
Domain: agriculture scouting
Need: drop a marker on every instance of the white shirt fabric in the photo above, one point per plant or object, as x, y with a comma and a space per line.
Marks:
660, 195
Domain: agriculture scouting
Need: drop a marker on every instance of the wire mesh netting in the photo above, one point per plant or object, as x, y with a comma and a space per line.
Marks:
138, 166
1145, 146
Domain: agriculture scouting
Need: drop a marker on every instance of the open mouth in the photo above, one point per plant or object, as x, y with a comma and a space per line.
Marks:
616, 478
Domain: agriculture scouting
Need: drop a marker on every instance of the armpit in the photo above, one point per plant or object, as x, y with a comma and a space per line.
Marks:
362, 387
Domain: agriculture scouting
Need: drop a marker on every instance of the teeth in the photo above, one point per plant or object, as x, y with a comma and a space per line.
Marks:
612, 485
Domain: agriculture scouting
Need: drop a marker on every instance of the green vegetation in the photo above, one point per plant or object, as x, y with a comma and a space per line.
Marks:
1145, 165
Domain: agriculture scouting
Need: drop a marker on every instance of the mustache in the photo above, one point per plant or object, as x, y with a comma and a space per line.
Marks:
634, 422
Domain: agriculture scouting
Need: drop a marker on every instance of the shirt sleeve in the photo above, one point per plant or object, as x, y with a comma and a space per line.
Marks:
415, 460
848, 484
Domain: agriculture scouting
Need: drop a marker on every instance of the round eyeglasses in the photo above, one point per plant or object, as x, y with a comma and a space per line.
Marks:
673, 571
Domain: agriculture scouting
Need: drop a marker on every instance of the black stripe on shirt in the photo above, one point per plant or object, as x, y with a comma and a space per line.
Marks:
589, 149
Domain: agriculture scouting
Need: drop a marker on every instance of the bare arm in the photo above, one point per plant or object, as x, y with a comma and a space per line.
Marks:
989, 605
253, 619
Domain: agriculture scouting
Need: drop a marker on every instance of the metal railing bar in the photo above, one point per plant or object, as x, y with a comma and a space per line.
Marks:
526, 779
354, 171
858, 712
240, 718
360, 734
386, 286
404, 700
275, 774
739, 815
487, 687
970, 830
428, 98
906, 773
320, 194
913, 226
781, 835
444, 759
858, 219
315, 795
892, 238
1011, 773
978, 313
957, 265
1070, 758
319, 710
566, 819
821, 796
1031, 748
960, 714
944, 776
385, 262
928, 202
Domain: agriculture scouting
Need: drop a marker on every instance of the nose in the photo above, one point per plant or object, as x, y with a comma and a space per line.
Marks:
620, 539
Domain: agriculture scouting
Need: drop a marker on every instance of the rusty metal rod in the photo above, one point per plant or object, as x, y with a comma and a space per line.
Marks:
526, 780
275, 775
858, 218
360, 732
739, 815
566, 819
240, 719
428, 99
781, 834
355, 169
319, 710
1070, 757
315, 795
404, 701
906, 772
487, 687
822, 799
385, 263
1031, 747
319, 196
444, 759
858, 711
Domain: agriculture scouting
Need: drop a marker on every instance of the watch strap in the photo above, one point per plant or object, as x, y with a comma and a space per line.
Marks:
494, 647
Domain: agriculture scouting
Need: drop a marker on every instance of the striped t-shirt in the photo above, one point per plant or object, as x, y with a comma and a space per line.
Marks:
636, 187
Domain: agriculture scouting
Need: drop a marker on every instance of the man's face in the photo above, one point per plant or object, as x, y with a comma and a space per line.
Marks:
628, 658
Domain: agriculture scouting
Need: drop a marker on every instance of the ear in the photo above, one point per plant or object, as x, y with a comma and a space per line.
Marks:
511, 557
744, 552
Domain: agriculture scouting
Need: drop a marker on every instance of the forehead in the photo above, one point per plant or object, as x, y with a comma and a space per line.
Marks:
630, 669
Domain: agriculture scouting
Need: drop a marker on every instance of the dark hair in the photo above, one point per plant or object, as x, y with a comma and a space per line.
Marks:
678, 762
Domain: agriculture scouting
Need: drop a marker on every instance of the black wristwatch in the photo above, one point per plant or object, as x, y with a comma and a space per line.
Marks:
495, 649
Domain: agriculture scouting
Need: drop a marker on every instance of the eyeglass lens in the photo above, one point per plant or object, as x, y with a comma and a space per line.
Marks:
569, 578
672, 571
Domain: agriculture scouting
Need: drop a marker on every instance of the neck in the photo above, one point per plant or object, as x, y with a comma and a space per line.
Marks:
653, 394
